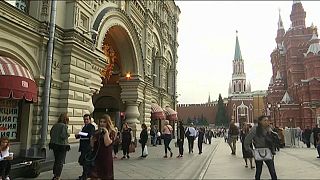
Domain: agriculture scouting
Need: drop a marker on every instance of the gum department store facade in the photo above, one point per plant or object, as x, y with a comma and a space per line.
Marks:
134, 41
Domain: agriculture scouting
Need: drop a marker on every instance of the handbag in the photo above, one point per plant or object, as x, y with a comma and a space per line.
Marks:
132, 147
145, 151
262, 154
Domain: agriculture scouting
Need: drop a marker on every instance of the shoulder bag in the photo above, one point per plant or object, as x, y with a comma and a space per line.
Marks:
262, 154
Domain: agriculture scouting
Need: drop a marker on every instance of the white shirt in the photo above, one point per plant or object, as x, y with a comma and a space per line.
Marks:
192, 131
4, 154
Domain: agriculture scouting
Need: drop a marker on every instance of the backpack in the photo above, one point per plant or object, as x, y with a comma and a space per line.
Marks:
188, 133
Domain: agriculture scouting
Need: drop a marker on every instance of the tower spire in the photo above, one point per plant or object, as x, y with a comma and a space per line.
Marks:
280, 23
298, 15
237, 52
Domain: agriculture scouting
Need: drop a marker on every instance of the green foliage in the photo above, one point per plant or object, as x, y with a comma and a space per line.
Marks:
221, 116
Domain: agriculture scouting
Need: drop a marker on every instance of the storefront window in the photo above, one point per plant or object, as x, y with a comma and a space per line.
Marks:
9, 113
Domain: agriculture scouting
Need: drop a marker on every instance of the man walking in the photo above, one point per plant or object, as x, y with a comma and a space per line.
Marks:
315, 131
180, 139
84, 147
210, 135
190, 134
307, 135
232, 137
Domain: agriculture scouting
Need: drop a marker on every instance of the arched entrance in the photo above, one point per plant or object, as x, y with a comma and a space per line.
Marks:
120, 56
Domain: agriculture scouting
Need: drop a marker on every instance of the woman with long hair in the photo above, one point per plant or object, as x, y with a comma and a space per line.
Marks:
101, 142
246, 154
167, 137
260, 136
59, 144
126, 140
143, 139
5, 158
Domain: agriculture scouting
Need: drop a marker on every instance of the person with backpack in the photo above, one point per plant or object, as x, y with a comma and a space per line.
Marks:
232, 137
190, 134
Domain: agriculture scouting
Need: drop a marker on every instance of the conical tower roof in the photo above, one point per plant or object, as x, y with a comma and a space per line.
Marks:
237, 52
314, 46
286, 98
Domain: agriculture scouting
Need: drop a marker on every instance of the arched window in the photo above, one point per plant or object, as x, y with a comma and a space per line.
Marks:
22, 5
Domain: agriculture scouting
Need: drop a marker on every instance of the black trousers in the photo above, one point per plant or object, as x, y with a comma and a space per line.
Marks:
167, 139
59, 160
143, 145
125, 148
270, 165
84, 161
200, 141
5, 167
180, 145
209, 139
115, 148
190, 143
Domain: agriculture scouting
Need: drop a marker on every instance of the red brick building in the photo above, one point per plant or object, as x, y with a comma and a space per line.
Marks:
293, 94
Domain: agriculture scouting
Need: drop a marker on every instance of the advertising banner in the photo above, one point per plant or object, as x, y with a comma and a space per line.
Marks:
9, 118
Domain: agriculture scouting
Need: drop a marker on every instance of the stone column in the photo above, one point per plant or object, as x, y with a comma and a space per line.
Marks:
132, 95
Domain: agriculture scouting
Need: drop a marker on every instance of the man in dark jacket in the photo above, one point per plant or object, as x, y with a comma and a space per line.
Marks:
306, 136
180, 139
315, 131
84, 147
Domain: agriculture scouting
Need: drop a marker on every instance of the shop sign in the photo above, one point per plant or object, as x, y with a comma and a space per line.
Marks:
9, 118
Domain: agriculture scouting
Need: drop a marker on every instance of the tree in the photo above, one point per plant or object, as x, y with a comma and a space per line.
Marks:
189, 120
221, 116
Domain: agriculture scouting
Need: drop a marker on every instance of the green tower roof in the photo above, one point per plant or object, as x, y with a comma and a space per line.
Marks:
237, 52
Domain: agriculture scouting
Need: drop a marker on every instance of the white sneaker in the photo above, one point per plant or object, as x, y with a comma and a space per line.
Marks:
7, 178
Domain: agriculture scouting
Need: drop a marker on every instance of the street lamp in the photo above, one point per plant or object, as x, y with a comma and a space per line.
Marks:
279, 113
273, 109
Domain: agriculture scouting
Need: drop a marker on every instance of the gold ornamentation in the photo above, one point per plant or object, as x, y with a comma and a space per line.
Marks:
111, 55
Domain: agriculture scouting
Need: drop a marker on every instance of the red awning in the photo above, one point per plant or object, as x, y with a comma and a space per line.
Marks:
170, 114
156, 112
16, 82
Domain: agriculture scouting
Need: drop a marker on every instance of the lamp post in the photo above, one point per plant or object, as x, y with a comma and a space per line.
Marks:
273, 109
279, 113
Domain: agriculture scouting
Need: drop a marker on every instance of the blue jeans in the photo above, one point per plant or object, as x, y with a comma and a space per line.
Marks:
271, 168
154, 140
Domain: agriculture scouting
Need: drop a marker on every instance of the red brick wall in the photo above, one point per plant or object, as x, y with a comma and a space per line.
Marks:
196, 110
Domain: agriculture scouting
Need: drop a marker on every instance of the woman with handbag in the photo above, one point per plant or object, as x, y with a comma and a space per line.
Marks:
59, 144
126, 140
260, 136
167, 137
143, 139
102, 145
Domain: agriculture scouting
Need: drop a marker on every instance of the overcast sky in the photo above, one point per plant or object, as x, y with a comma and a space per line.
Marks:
207, 35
